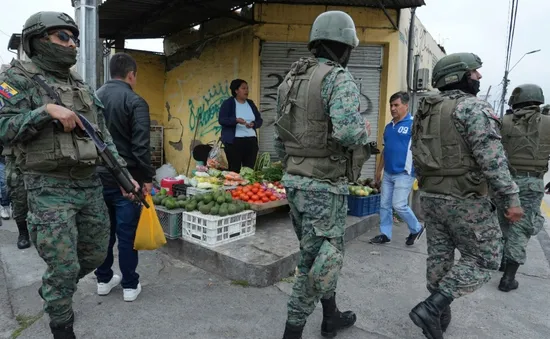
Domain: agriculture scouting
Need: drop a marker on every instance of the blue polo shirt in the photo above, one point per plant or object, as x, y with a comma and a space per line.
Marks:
397, 146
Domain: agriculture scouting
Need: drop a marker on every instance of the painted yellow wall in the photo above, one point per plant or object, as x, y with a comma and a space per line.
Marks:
150, 82
197, 87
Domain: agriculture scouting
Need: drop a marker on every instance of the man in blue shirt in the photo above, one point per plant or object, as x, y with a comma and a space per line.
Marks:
396, 162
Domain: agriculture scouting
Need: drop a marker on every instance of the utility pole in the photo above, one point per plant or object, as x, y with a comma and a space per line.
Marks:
505, 82
88, 25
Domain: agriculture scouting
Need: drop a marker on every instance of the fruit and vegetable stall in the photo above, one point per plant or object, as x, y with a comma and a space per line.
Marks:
213, 206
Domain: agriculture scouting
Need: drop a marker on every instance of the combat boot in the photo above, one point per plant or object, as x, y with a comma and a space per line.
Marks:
293, 332
427, 315
23, 240
502, 267
63, 331
445, 318
333, 319
508, 281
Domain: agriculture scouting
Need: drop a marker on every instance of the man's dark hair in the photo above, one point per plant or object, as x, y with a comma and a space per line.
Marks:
235, 84
121, 64
404, 96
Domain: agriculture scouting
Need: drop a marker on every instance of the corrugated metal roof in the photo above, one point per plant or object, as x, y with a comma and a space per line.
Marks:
141, 19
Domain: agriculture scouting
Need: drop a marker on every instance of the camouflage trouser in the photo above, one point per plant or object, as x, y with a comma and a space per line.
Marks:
17, 192
517, 234
70, 229
319, 220
469, 225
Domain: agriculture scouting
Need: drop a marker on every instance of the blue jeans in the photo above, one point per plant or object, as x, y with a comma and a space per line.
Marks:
395, 193
4, 199
124, 216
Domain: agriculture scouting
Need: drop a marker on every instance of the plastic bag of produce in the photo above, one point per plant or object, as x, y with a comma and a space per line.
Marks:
217, 158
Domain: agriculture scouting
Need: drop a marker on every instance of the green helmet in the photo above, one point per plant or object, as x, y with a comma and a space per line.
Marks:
334, 26
526, 93
546, 109
40, 23
451, 68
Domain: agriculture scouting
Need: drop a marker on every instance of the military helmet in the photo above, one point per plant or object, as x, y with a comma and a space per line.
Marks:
526, 93
40, 23
546, 109
334, 26
452, 68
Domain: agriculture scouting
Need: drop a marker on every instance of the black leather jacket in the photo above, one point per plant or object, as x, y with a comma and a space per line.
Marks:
127, 118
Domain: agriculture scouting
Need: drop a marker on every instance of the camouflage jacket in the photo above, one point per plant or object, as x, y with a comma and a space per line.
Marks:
23, 114
341, 102
480, 127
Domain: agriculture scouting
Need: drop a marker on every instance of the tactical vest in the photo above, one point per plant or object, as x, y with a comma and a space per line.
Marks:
526, 139
305, 128
53, 151
442, 159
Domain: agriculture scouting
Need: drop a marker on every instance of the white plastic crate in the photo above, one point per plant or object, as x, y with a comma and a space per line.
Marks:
170, 220
212, 230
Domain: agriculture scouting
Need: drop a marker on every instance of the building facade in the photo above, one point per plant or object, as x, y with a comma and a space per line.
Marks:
186, 86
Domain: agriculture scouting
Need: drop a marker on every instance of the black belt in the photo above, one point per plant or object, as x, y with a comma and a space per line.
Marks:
530, 174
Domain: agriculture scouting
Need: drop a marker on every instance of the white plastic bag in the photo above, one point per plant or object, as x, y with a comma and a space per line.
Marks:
165, 171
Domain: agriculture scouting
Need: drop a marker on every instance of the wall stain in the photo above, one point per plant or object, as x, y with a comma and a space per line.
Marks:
177, 145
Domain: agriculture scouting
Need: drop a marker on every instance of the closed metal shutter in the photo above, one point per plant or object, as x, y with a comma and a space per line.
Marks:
276, 58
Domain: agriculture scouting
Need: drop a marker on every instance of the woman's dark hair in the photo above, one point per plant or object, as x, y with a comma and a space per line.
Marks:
235, 84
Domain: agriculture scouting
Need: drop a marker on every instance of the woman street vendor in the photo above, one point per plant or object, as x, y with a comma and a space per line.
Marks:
239, 118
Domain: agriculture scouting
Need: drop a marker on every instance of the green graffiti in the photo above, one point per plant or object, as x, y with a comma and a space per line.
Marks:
205, 113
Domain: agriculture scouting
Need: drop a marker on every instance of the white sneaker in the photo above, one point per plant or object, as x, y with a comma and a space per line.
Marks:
131, 294
105, 288
5, 212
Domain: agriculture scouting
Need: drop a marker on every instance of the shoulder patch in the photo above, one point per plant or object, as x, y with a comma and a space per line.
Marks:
7, 91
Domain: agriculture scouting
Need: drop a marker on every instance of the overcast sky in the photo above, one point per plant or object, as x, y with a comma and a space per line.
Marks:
477, 26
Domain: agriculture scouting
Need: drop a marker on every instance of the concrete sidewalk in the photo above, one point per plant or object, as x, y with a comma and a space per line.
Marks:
380, 283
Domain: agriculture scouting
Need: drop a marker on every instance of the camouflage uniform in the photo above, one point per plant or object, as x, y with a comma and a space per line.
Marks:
67, 217
18, 197
319, 207
471, 225
456, 152
527, 143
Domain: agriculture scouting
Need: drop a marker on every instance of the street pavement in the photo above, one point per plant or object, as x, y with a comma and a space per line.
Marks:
381, 283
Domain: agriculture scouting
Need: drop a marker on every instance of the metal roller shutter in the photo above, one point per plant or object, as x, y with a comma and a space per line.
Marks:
277, 57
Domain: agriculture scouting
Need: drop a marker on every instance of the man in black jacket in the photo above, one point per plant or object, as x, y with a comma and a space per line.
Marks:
127, 117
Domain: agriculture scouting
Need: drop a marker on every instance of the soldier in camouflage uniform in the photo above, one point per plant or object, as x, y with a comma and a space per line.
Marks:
526, 140
18, 197
322, 138
545, 110
67, 217
457, 154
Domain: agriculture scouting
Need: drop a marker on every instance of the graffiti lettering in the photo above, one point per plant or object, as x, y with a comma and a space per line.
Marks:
204, 115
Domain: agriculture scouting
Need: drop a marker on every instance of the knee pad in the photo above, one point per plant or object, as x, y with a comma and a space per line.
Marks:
323, 275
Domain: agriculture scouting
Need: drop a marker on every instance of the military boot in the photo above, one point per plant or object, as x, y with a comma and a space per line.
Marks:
64, 331
23, 240
333, 319
445, 318
508, 281
293, 332
427, 315
502, 267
